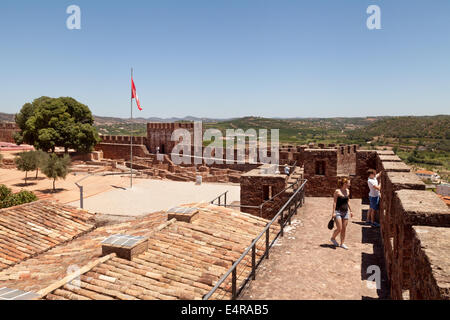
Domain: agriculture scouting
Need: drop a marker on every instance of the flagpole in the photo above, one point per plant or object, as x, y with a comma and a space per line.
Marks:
131, 138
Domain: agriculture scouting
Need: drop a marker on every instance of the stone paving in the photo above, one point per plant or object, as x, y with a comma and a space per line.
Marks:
305, 265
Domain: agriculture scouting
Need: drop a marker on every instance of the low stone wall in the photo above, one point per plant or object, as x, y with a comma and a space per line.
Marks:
430, 266
365, 160
121, 151
405, 205
252, 192
321, 186
392, 182
7, 132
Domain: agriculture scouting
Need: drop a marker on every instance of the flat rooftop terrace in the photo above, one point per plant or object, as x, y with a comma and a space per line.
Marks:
155, 195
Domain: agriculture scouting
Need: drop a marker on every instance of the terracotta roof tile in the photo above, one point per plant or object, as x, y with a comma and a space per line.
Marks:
54, 264
184, 260
425, 172
33, 228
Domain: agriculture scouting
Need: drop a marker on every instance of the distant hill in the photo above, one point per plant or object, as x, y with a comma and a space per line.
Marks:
6, 117
301, 130
9, 117
430, 127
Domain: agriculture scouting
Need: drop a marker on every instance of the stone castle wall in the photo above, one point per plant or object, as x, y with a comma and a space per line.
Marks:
160, 135
121, 150
7, 132
365, 160
414, 226
252, 193
320, 169
346, 160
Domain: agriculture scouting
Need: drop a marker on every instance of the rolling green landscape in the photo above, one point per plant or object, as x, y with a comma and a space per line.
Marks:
422, 141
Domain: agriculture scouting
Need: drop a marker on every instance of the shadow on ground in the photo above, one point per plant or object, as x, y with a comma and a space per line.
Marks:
370, 263
329, 246
117, 187
51, 191
24, 185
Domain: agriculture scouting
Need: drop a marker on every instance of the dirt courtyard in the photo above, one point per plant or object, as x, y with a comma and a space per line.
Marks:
67, 191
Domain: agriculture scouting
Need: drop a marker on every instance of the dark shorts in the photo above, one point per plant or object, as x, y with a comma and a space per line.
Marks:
374, 203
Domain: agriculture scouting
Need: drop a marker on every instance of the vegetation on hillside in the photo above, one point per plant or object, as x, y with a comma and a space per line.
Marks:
433, 127
427, 136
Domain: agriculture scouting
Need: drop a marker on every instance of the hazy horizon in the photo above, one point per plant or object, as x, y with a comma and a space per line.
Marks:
256, 116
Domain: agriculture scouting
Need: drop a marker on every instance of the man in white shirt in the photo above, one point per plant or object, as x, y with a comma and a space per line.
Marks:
374, 196
286, 169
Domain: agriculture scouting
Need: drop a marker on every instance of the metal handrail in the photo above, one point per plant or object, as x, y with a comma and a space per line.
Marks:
280, 193
293, 168
220, 197
232, 270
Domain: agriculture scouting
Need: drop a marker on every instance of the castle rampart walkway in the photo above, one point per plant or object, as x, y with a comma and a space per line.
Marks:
304, 265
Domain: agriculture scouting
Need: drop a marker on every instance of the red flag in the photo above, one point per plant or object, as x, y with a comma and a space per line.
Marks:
134, 94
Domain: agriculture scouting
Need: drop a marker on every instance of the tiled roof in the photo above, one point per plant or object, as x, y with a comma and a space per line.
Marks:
36, 227
41, 271
446, 199
184, 260
425, 172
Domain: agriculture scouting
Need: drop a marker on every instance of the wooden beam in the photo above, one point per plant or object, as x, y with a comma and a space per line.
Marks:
43, 292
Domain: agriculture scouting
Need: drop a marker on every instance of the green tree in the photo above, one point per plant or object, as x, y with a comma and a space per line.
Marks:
9, 199
26, 161
47, 123
55, 167
4, 192
19, 198
41, 157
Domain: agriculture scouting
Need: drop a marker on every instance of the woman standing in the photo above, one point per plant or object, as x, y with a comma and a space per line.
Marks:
341, 210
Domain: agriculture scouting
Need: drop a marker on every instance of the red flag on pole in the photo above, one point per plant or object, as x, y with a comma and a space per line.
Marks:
134, 94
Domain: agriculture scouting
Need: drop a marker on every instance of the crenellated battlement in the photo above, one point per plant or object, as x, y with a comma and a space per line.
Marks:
122, 139
169, 125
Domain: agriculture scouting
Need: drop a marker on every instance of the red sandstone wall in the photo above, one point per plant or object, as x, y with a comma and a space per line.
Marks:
252, 194
346, 160
122, 139
7, 132
365, 160
320, 185
429, 252
160, 135
404, 205
121, 151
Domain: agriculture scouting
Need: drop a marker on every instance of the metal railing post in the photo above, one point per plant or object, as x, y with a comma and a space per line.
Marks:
226, 199
253, 261
282, 223
280, 216
233, 284
81, 197
290, 213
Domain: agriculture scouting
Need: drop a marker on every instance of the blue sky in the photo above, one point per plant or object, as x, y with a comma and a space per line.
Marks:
230, 58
